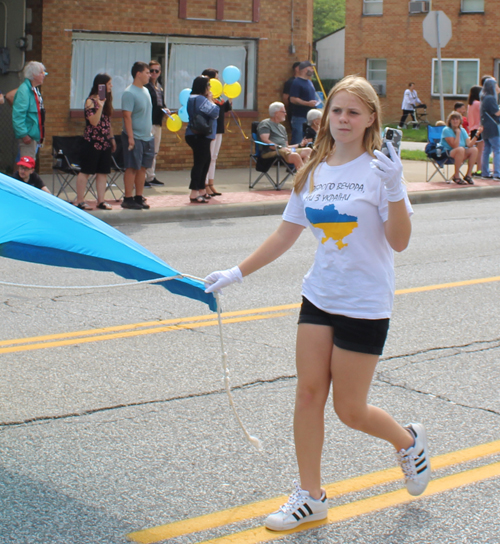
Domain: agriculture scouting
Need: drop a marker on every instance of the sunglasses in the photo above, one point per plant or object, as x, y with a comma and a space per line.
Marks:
154, 71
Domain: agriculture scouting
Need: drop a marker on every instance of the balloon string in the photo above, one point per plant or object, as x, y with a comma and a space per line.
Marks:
237, 121
253, 440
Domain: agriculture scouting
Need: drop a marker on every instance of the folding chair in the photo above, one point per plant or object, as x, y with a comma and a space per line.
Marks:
66, 163
436, 155
264, 165
117, 170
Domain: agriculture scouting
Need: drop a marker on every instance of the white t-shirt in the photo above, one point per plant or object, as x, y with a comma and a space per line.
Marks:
410, 100
353, 269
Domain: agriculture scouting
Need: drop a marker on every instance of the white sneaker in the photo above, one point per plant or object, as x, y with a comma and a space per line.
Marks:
300, 508
415, 461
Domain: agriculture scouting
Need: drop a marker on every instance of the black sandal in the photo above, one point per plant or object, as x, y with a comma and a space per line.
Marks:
459, 181
83, 206
469, 180
199, 200
104, 206
214, 192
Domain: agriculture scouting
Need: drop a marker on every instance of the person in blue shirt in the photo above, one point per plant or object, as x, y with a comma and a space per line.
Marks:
490, 119
460, 147
302, 99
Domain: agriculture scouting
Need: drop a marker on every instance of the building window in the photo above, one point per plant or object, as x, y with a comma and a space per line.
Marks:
376, 70
188, 57
472, 6
459, 75
92, 57
373, 7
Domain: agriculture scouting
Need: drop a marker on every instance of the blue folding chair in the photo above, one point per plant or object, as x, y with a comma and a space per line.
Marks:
437, 155
283, 169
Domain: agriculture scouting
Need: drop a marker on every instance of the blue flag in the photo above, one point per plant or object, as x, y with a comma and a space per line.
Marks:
40, 228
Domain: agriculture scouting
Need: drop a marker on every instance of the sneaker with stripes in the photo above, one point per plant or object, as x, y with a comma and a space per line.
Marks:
415, 461
300, 508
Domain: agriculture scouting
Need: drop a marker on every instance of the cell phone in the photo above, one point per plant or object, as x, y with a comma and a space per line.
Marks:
101, 92
394, 136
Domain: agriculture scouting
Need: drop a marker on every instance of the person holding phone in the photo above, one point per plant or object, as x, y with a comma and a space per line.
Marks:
353, 199
99, 142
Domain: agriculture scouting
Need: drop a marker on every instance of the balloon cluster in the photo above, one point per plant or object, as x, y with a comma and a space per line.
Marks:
231, 89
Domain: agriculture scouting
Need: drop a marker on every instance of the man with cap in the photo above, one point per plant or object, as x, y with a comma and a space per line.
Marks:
27, 174
302, 99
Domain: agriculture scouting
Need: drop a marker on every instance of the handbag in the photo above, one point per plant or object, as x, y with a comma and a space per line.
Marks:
201, 125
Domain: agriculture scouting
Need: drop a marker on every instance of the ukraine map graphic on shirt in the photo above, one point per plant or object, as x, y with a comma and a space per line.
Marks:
335, 225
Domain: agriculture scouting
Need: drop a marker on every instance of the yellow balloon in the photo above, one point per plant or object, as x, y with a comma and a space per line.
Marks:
174, 123
233, 90
215, 87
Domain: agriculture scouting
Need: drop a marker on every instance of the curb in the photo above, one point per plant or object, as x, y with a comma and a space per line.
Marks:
254, 209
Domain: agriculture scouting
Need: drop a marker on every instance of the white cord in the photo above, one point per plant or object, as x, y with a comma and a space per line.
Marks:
227, 386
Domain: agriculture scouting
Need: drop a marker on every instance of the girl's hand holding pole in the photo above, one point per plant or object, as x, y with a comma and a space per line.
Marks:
390, 172
222, 278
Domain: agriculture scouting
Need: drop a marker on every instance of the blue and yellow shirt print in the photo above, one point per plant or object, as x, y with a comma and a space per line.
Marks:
335, 225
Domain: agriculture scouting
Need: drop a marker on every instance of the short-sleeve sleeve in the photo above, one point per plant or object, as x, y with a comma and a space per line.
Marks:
294, 211
127, 101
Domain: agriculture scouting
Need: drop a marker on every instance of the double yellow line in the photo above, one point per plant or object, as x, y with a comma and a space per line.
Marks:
155, 327
337, 489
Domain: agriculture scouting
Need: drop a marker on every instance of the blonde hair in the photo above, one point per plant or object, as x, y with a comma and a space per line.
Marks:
325, 144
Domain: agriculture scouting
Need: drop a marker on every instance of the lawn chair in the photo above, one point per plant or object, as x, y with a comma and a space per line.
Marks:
437, 155
65, 163
265, 165
117, 170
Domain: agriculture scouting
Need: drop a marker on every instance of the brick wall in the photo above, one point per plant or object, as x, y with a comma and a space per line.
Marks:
397, 37
272, 31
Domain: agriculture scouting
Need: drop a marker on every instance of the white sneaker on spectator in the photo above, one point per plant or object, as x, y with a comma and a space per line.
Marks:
300, 508
415, 462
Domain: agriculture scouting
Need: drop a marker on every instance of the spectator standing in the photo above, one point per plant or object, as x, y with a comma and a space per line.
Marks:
490, 117
28, 113
288, 85
347, 294
99, 143
462, 110
224, 106
460, 147
200, 103
302, 99
159, 108
271, 131
410, 102
474, 120
137, 139
26, 172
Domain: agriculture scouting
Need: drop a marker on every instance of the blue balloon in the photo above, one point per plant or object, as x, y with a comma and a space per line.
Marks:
183, 114
184, 96
231, 74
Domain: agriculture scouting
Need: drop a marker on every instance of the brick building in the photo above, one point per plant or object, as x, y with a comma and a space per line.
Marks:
76, 39
384, 42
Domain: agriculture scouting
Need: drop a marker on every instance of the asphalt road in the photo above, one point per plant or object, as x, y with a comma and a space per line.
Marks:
112, 433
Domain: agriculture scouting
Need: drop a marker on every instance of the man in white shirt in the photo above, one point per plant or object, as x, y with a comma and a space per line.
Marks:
410, 102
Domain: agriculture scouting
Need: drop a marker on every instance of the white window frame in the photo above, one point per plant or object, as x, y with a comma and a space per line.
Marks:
249, 92
381, 81
367, 3
455, 74
464, 9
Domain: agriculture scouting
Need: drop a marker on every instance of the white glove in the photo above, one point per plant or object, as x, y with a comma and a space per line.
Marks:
391, 173
222, 278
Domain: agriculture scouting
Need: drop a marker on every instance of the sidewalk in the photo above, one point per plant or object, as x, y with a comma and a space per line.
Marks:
171, 202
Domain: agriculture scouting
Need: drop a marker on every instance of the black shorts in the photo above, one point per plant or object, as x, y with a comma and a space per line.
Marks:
95, 161
349, 333
473, 133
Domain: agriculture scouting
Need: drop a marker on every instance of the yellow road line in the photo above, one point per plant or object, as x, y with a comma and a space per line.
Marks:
99, 335
336, 489
366, 506
102, 338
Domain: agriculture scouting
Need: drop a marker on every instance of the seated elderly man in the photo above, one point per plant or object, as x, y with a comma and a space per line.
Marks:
271, 131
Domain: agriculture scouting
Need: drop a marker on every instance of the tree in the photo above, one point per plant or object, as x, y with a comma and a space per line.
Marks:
329, 16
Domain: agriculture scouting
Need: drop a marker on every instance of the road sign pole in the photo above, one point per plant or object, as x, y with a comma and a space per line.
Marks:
440, 68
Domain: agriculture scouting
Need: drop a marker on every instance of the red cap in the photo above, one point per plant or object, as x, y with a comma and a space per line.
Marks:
28, 162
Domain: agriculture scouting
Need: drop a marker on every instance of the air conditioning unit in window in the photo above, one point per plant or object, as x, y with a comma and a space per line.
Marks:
379, 88
418, 7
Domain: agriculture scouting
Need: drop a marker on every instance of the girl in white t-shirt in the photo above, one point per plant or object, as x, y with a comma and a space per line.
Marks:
353, 199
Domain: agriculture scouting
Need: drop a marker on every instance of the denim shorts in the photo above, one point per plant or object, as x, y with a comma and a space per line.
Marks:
141, 156
349, 333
